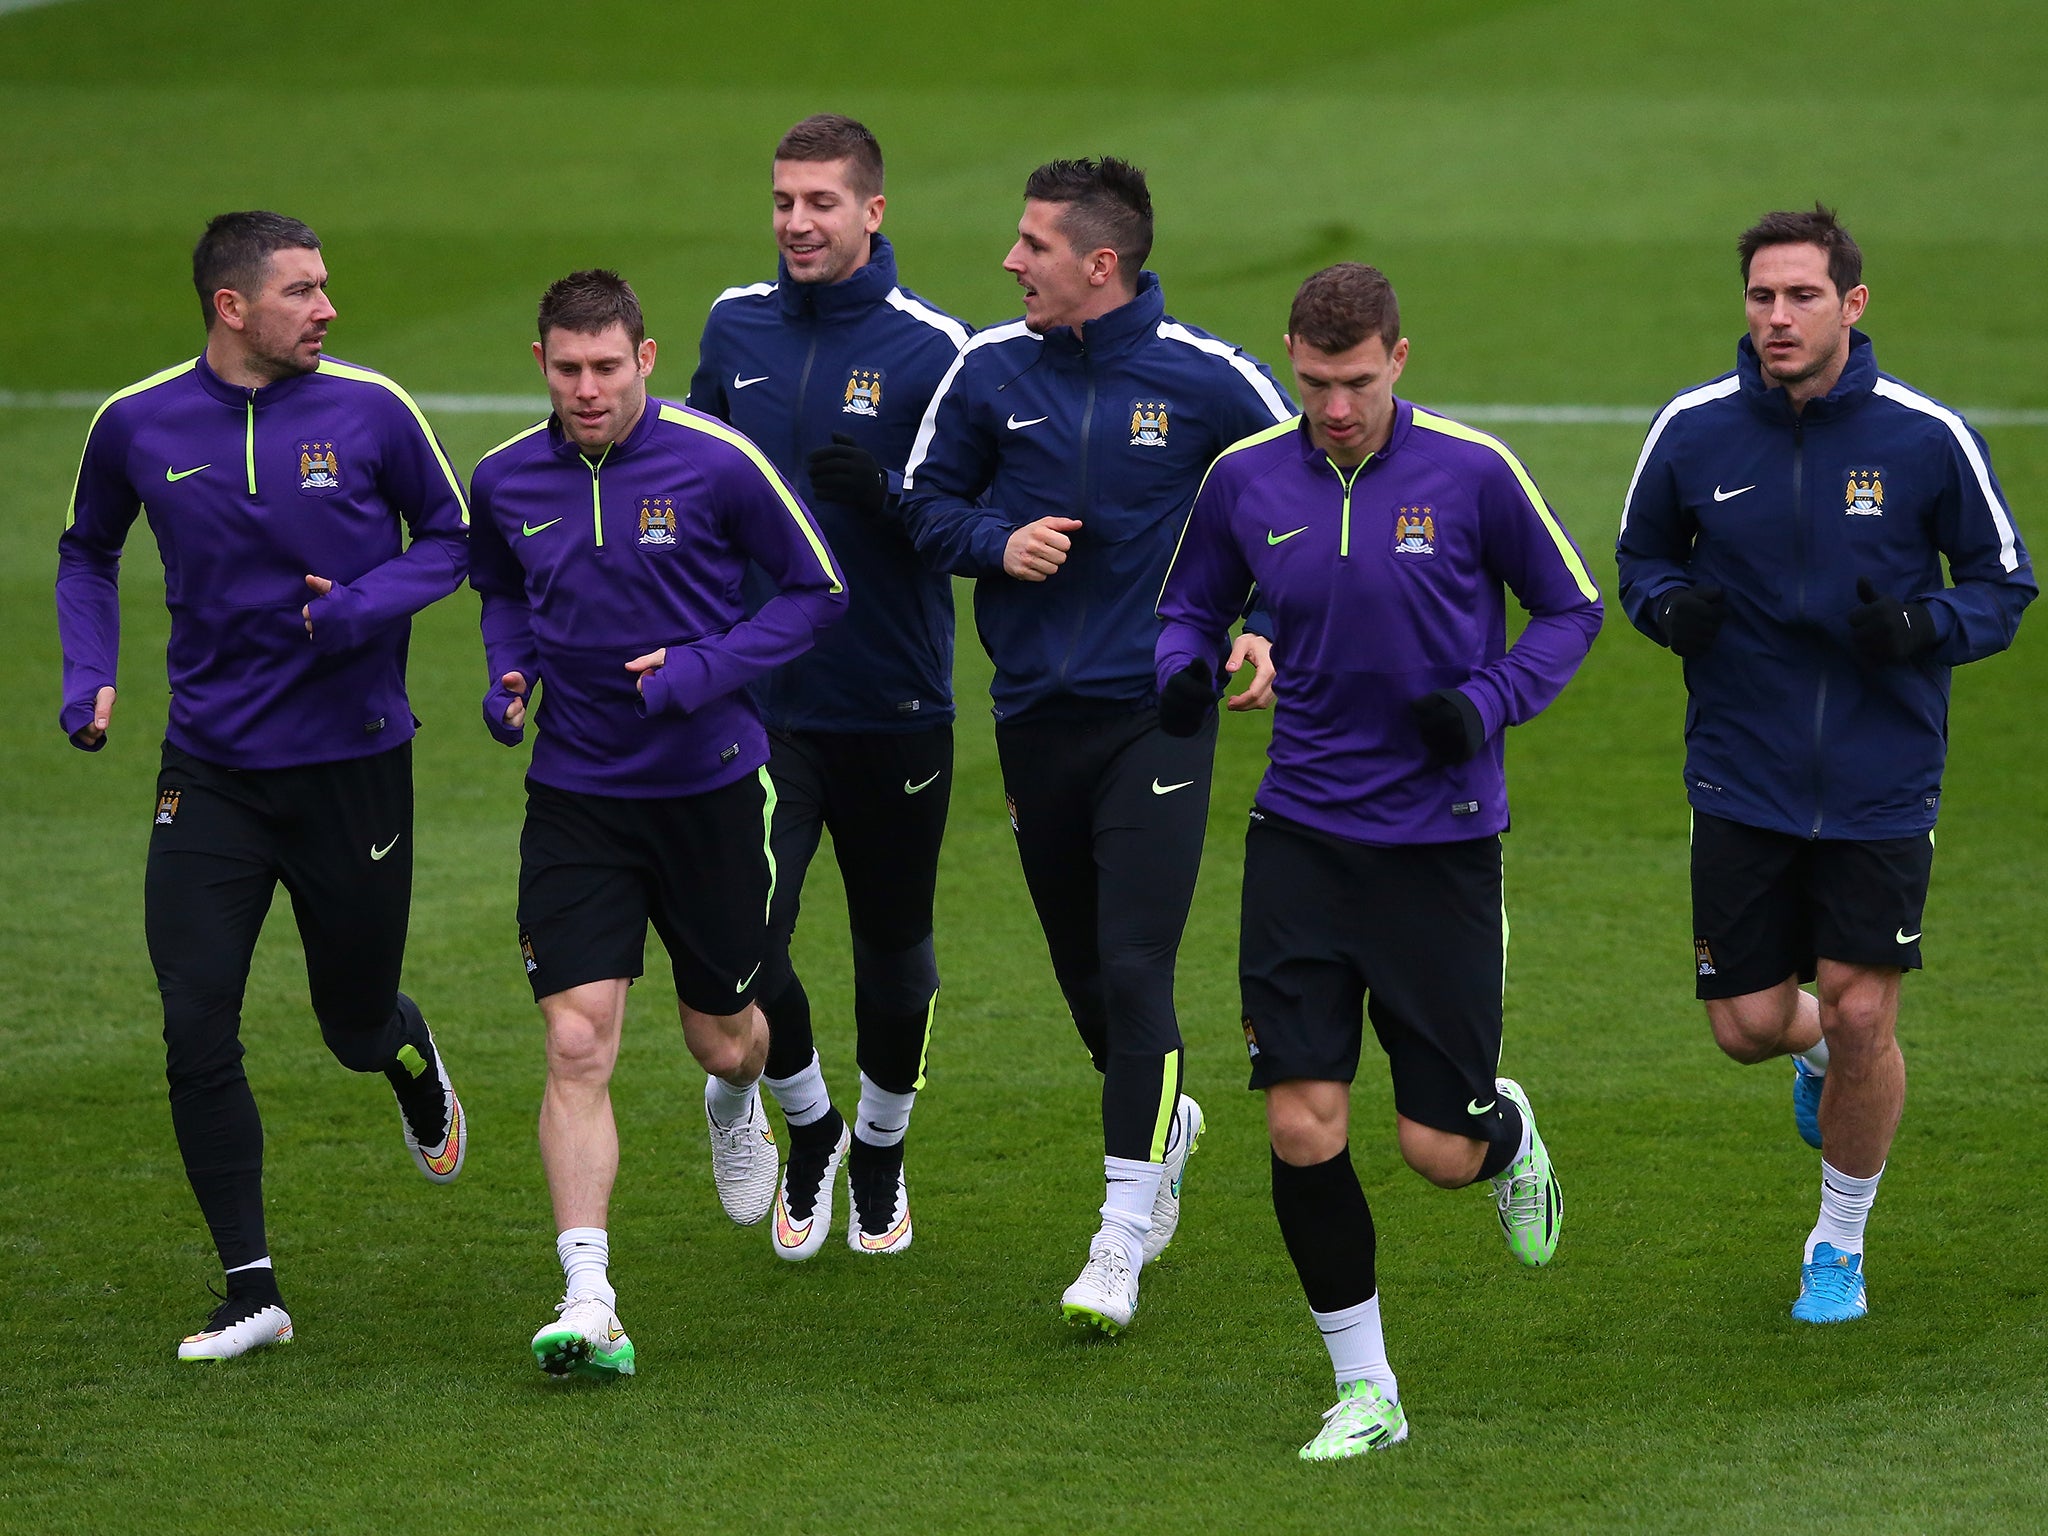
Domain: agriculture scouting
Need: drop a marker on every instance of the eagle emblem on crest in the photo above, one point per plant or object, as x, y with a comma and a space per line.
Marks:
1148, 423
319, 469
863, 392
1415, 531
657, 521
1863, 494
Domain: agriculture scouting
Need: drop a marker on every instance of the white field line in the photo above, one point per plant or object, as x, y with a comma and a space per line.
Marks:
534, 406
25, 5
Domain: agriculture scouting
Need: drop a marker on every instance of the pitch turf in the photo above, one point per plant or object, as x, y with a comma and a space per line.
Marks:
1554, 187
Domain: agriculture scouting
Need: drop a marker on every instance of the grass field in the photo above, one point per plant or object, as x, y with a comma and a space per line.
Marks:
1555, 187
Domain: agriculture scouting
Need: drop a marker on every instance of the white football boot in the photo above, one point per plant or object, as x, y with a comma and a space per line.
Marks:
743, 1159
1105, 1295
235, 1328
1188, 1125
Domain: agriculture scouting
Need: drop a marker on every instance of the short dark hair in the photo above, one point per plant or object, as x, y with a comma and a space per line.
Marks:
1821, 228
829, 136
590, 303
1340, 306
236, 249
1108, 205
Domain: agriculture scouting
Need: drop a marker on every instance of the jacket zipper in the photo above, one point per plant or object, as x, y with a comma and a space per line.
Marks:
803, 380
1820, 693
1080, 512
596, 500
249, 444
1347, 481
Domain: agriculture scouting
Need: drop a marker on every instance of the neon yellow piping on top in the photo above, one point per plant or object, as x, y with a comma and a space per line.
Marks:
365, 376
1264, 436
1430, 421
725, 434
516, 437
176, 371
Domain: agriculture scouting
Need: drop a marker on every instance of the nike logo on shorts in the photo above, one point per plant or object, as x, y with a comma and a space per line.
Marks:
1904, 937
1167, 789
378, 853
911, 789
1474, 1107
747, 980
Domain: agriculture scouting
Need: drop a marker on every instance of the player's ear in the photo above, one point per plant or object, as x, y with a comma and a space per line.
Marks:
1854, 302
876, 204
540, 356
230, 305
646, 355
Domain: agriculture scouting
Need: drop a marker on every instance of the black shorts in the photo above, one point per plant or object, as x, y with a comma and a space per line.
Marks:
595, 869
1766, 905
1419, 930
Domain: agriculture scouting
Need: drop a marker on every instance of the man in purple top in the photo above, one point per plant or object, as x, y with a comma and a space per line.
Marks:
1379, 537
280, 485
609, 547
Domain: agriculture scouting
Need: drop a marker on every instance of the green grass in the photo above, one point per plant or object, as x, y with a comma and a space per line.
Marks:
1555, 187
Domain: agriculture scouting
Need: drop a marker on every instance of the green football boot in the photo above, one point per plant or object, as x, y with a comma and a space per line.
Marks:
1527, 1193
587, 1338
1364, 1419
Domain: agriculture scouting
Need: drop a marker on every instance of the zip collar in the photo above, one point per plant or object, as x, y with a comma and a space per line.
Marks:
1123, 329
241, 397
564, 446
1859, 377
1316, 459
860, 291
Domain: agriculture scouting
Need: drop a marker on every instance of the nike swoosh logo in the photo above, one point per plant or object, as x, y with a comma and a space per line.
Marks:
1016, 425
378, 853
1721, 495
614, 1334
740, 383
1474, 1107
911, 789
742, 984
529, 530
1282, 538
1167, 789
1904, 937
175, 475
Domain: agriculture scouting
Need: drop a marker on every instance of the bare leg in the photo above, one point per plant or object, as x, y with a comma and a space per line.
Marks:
1866, 1086
579, 1141
732, 1046
1780, 1021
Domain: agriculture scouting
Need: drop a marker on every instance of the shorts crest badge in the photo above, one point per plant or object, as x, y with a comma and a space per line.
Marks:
167, 806
1703, 957
1863, 495
1251, 1038
863, 393
657, 522
319, 469
1415, 532
1149, 423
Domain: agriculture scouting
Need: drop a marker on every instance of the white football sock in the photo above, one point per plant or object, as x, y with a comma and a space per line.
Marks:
585, 1253
1358, 1349
883, 1118
1817, 1058
1844, 1208
802, 1094
1127, 1207
728, 1105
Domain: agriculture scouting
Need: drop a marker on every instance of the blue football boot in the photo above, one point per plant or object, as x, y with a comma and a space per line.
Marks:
1806, 1086
1831, 1287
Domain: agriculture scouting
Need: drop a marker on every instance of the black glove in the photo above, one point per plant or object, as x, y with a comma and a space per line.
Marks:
1187, 699
1691, 616
847, 473
1450, 725
1889, 628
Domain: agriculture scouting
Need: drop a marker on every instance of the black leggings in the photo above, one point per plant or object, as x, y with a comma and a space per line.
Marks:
339, 836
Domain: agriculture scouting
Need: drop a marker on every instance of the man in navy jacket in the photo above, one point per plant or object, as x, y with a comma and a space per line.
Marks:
829, 370
1056, 467
1784, 533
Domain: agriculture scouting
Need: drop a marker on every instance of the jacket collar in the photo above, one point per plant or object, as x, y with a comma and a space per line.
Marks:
849, 298
239, 397
1859, 377
1121, 330
565, 447
1315, 458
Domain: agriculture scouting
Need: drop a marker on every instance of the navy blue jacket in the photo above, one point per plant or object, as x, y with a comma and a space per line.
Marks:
1788, 728
789, 364
1112, 425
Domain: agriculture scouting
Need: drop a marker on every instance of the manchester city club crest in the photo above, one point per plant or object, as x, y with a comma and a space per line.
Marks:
863, 392
657, 522
319, 469
1148, 423
1415, 532
1863, 495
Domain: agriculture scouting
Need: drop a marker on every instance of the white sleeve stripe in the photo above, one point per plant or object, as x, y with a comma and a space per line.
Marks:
2008, 544
748, 291
1720, 389
936, 319
1271, 398
929, 427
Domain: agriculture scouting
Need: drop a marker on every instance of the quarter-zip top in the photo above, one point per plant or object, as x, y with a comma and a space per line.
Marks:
1113, 425
1789, 728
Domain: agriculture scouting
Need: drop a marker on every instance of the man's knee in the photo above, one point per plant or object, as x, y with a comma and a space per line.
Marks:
581, 1046
1308, 1122
1448, 1161
724, 1044
1859, 1011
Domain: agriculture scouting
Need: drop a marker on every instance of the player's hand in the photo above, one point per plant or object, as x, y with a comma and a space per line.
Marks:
1038, 549
1889, 628
1691, 616
514, 683
1450, 725
1188, 699
321, 587
93, 734
1258, 650
847, 473
640, 666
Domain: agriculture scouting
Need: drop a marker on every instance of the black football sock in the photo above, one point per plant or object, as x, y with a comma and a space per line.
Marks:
1501, 1129
1328, 1230
255, 1285
790, 1045
820, 1136
415, 1076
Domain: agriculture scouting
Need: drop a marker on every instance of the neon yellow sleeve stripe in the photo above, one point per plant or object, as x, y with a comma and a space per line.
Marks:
1457, 429
1266, 436
365, 376
177, 370
1169, 1098
516, 437
725, 434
